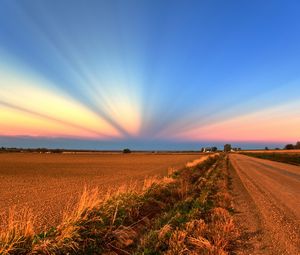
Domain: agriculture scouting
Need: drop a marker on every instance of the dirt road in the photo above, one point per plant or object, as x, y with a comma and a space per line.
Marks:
267, 201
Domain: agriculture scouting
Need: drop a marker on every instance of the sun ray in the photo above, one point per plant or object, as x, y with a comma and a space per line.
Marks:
52, 104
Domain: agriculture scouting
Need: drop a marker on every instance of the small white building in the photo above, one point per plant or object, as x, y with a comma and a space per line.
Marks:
207, 149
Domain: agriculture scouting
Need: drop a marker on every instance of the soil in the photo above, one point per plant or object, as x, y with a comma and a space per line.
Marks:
50, 184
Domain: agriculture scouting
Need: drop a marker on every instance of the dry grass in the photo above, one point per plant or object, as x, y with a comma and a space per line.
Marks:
18, 234
200, 222
197, 161
213, 237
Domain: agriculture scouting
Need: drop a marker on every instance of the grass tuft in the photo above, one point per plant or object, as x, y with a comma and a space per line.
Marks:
18, 235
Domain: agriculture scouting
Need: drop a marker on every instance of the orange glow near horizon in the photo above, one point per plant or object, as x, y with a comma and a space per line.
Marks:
27, 109
278, 124
16, 123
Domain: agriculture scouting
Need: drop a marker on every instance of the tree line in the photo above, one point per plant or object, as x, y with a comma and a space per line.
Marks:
38, 150
292, 146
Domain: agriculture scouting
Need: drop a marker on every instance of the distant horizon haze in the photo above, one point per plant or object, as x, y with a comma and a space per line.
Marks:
79, 144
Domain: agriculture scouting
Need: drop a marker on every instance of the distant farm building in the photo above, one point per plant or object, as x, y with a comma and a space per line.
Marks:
208, 149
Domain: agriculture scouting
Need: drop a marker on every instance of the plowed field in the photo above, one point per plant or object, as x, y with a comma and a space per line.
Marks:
48, 183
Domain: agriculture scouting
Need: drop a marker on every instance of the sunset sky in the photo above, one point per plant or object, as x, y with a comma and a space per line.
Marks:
149, 74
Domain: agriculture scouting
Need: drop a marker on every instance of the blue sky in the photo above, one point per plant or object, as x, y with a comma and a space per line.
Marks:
149, 73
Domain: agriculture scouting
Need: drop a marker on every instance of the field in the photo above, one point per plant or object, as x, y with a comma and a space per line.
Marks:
186, 212
50, 184
285, 156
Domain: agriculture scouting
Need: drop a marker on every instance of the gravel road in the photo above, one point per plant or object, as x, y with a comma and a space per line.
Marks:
267, 202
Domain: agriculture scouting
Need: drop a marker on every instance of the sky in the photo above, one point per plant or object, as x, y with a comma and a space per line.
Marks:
149, 74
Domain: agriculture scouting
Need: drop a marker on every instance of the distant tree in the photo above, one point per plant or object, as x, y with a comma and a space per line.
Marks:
126, 150
289, 147
266, 148
277, 149
202, 149
57, 151
227, 147
214, 149
297, 146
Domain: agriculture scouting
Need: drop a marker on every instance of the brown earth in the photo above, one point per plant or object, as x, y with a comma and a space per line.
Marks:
51, 183
267, 202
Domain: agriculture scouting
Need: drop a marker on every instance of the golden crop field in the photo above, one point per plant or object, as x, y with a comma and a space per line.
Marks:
49, 184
